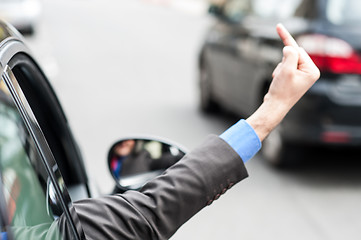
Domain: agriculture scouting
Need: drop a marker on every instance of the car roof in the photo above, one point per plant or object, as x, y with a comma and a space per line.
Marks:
11, 42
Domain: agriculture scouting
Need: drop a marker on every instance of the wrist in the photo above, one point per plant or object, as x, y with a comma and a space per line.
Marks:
267, 117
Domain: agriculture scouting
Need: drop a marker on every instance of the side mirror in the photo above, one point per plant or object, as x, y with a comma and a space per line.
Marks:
133, 162
215, 10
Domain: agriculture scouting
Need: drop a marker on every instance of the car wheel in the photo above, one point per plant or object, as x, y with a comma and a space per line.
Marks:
275, 150
207, 102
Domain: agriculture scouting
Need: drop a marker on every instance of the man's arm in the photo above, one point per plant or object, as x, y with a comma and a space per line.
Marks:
168, 201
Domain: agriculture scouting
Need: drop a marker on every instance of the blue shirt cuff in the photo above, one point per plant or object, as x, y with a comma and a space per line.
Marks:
243, 139
4, 235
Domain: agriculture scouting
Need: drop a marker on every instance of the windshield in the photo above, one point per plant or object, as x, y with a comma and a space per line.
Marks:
342, 12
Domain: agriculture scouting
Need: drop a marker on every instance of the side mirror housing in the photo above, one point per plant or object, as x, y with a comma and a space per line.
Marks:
215, 10
132, 162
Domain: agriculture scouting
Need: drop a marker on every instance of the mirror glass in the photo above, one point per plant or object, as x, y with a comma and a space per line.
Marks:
134, 161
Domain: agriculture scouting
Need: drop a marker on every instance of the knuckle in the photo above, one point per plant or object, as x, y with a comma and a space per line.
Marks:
289, 50
316, 74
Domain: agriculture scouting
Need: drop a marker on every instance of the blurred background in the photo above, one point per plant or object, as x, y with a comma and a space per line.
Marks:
130, 67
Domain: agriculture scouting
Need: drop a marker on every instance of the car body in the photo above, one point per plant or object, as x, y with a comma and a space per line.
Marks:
242, 49
22, 14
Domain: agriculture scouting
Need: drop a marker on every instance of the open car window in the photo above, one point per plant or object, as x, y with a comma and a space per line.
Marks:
34, 192
24, 178
51, 119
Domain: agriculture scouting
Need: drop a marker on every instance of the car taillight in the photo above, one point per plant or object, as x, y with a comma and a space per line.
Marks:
336, 137
330, 54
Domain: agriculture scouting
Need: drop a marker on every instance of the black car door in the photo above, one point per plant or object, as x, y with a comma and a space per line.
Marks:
226, 52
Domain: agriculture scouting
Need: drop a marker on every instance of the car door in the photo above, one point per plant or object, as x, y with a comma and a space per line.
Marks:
253, 30
35, 203
225, 53
256, 54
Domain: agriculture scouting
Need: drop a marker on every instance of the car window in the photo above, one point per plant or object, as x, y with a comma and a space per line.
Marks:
49, 115
287, 8
31, 183
341, 12
24, 177
279, 9
235, 10
265, 8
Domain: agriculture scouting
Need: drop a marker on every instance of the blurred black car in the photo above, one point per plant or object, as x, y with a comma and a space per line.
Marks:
242, 48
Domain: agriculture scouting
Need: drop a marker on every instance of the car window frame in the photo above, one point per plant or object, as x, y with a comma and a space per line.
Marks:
25, 173
43, 148
51, 118
12, 43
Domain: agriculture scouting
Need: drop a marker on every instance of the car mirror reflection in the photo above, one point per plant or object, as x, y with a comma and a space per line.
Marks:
133, 162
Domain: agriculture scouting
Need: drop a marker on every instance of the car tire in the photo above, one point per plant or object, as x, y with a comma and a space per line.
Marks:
276, 151
207, 103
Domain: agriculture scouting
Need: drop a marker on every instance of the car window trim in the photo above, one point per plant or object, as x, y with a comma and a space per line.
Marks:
38, 137
46, 106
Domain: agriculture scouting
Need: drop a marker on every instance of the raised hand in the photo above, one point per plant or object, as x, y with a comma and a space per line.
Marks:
291, 79
294, 75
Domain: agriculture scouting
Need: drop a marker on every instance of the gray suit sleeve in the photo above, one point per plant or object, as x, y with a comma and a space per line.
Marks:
165, 203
